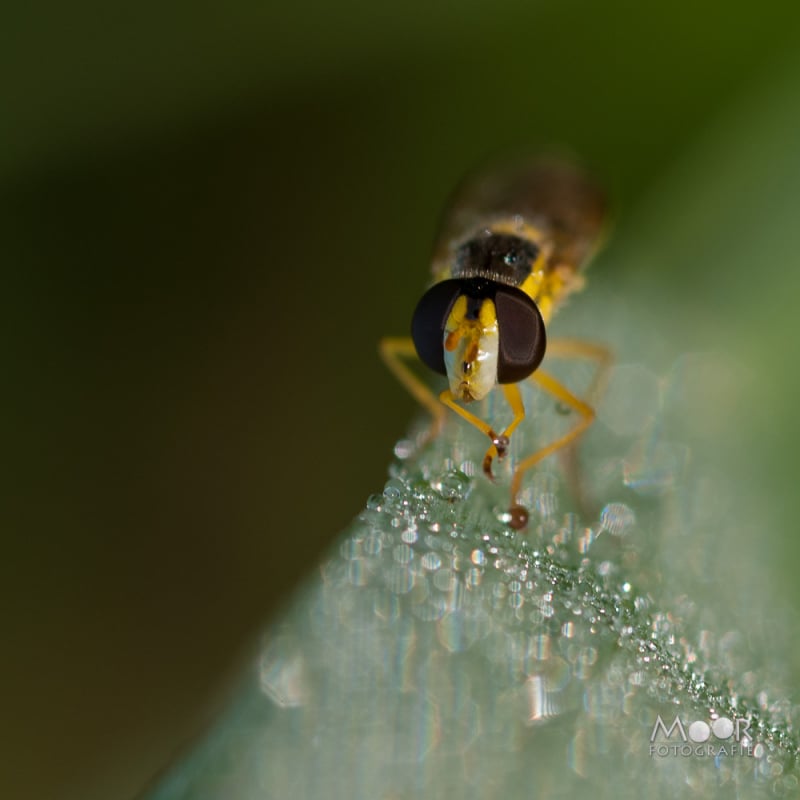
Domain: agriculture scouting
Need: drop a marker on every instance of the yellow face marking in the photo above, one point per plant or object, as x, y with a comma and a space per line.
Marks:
487, 316
454, 328
471, 349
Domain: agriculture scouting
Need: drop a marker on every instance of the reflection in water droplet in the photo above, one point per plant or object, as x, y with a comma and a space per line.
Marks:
539, 703
431, 561
616, 518
656, 469
453, 485
282, 673
399, 580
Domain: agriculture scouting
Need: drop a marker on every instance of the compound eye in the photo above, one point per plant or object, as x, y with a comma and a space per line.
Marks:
429, 321
522, 335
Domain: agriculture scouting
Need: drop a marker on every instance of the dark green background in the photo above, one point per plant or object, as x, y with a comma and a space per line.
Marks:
209, 213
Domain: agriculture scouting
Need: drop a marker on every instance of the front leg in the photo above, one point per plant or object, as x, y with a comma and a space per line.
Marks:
500, 442
395, 351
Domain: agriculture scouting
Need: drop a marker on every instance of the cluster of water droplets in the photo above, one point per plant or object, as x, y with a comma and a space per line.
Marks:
440, 653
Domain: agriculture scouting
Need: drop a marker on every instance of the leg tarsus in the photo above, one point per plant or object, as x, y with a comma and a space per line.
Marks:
499, 442
487, 462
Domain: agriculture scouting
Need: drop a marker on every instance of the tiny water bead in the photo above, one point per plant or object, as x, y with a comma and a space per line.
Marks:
452, 485
517, 576
617, 518
441, 635
518, 517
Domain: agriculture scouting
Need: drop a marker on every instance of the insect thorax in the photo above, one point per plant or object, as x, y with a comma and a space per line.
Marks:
501, 257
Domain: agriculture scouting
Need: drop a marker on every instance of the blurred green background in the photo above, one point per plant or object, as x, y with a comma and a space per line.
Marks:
208, 216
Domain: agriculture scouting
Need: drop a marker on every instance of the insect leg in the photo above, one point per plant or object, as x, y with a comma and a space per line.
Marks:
499, 446
561, 393
603, 358
393, 349
580, 348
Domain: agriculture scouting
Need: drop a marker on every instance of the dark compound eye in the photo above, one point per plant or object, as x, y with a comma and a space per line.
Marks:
429, 320
522, 335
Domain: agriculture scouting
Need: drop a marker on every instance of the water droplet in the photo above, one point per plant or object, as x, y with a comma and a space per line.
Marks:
374, 502
410, 535
403, 449
478, 558
453, 485
402, 554
393, 490
399, 580
431, 561
616, 518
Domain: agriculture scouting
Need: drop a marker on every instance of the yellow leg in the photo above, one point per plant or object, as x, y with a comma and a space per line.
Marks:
602, 356
447, 398
563, 348
514, 399
499, 446
561, 393
395, 348
580, 348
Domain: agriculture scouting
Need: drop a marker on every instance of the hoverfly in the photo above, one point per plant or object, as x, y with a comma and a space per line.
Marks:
512, 247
